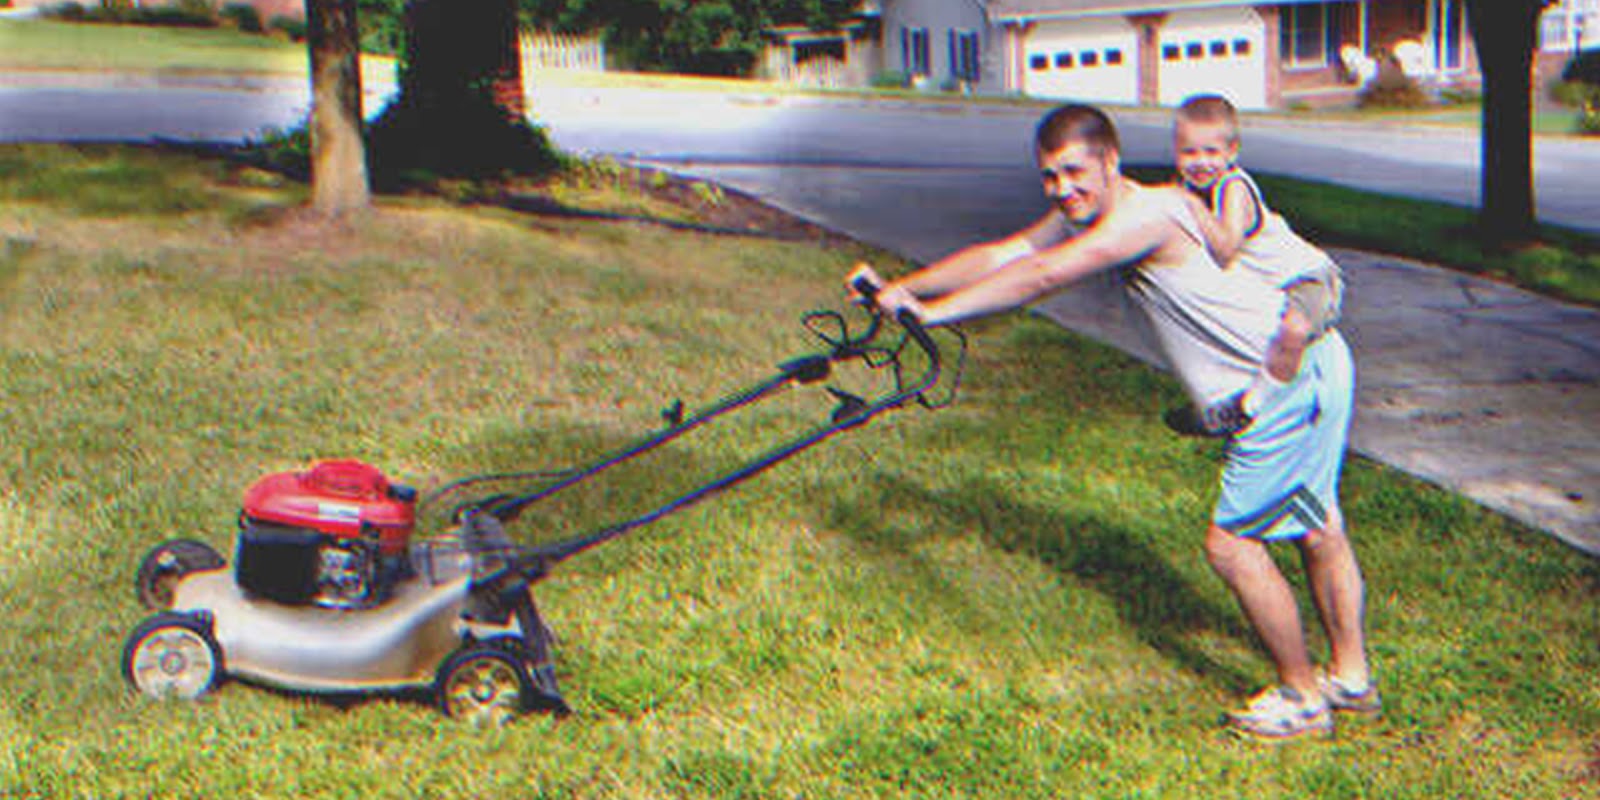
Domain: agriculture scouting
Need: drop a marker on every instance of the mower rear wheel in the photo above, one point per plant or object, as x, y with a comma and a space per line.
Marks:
484, 685
172, 655
165, 565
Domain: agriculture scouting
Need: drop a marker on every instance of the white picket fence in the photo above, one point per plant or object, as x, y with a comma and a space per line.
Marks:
542, 50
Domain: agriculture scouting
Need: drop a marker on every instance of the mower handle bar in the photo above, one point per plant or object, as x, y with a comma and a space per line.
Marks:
534, 562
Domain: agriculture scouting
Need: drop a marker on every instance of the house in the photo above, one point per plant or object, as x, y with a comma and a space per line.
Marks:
1157, 52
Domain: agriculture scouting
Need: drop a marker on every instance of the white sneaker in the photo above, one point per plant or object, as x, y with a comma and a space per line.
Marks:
1279, 713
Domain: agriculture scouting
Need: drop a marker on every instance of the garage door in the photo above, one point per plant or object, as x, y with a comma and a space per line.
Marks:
1094, 60
1218, 51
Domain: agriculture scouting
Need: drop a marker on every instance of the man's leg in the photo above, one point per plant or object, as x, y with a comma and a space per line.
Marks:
1268, 601
1340, 596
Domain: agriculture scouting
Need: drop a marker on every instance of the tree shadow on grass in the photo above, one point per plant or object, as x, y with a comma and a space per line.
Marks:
1155, 600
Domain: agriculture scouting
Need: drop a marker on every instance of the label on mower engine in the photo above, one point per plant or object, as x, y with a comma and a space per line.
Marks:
338, 512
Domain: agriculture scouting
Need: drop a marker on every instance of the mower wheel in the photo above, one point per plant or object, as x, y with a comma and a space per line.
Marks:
485, 685
165, 565
173, 655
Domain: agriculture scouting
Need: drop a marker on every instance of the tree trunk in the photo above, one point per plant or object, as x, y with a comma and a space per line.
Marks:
1505, 32
461, 112
338, 155
457, 46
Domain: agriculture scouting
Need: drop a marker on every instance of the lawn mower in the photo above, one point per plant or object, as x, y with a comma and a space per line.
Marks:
331, 593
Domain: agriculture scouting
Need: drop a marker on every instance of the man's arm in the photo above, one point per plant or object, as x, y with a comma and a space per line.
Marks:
972, 264
1138, 227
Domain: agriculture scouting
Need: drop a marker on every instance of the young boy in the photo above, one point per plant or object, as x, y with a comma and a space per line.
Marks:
1242, 233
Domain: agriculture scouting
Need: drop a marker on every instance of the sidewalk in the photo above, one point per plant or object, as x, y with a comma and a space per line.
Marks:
1481, 388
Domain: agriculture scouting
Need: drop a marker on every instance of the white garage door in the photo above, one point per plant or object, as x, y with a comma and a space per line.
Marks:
1217, 51
1094, 60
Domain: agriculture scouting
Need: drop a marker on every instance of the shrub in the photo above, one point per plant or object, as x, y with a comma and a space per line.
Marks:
292, 27
1589, 119
68, 11
243, 16
1392, 88
890, 79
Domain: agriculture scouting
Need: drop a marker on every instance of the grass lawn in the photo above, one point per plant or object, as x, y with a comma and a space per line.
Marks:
1004, 599
54, 45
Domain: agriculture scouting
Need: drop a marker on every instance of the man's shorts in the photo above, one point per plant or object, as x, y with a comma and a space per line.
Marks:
1281, 479
1319, 297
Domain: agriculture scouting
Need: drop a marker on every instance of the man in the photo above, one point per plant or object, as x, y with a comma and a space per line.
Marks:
1281, 476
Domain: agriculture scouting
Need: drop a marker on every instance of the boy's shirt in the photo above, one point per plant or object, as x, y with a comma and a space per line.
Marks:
1272, 250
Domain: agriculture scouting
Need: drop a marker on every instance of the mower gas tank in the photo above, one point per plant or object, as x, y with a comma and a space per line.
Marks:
342, 498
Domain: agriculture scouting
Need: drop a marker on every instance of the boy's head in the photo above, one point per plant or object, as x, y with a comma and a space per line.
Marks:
1079, 160
1205, 135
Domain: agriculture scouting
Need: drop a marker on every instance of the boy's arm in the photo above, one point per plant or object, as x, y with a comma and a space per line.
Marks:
1237, 216
1130, 233
972, 264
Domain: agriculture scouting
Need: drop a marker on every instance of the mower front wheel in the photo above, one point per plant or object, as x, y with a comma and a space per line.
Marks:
165, 565
484, 685
173, 655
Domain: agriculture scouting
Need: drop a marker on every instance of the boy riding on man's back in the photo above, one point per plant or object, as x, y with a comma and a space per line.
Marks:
1242, 233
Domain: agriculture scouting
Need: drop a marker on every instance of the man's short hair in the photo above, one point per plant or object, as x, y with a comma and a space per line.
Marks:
1076, 122
1210, 109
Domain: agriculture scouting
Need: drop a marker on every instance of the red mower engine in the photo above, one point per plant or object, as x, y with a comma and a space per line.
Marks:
336, 535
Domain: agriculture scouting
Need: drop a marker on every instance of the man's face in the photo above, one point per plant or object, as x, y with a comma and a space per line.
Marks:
1079, 179
1206, 150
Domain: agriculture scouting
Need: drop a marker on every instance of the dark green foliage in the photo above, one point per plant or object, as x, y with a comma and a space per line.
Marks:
383, 29
182, 14
292, 27
704, 37
244, 16
1583, 68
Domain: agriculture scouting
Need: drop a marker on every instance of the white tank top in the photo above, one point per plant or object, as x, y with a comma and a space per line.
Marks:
1212, 325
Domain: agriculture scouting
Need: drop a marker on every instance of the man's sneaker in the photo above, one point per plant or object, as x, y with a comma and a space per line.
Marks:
1279, 714
1340, 698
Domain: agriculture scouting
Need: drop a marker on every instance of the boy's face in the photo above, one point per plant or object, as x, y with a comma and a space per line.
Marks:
1205, 151
1079, 179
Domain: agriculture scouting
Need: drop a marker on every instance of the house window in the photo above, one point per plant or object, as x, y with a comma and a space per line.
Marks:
1449, 28
1088, 58
1169, 52
1063, 61
1241, 47
1113, 57
1570, 25
964, 56
914, 51
1219, 49
1195, 50
1039, 63
1303, 35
